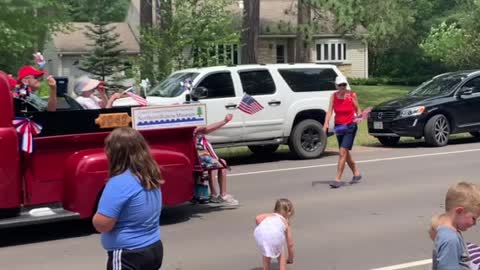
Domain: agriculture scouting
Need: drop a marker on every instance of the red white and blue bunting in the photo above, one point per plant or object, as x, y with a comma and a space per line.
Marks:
27, 129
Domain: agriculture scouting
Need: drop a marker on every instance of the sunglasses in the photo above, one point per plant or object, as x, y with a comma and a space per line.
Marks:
342, 85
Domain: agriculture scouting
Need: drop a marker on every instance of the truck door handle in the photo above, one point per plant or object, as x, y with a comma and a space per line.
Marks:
231, 106
274, 102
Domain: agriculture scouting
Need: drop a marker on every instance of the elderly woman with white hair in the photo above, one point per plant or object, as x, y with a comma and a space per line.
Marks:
85, 88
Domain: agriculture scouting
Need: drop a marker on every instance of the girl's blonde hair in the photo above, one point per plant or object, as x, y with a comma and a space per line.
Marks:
127, 149
284, 207
436, 221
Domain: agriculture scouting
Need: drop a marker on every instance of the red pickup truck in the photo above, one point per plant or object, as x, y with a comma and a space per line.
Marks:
64, 175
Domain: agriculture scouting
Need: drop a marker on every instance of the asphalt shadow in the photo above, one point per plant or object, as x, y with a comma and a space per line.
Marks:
420, 143
81, 228
45, 232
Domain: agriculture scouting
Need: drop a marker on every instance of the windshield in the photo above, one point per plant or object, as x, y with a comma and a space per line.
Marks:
438, 86
171, 86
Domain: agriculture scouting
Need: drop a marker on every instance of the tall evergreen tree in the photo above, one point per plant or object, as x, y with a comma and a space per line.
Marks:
106, 58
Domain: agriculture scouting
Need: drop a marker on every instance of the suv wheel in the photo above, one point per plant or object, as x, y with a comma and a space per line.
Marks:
437, 130
388, 140
475, 134
263, 149
308, 140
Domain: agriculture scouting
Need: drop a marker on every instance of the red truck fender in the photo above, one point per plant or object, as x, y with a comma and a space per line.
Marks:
86, 173
10, 182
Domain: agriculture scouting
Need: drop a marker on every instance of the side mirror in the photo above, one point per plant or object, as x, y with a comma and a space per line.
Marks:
465, 91
200, 92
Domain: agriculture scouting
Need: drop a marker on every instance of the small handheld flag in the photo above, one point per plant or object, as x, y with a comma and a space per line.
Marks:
249, 105
140, 100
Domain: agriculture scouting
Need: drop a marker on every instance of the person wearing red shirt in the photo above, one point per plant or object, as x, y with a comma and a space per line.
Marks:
345, 105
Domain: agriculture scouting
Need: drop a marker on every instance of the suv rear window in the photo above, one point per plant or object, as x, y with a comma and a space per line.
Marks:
257, 82
309, 80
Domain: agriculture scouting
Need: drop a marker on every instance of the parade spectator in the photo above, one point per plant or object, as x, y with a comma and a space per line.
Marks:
31, 77
211, 162
128, 213
462, 205
273, 234
473, 249
86, 87
345, 104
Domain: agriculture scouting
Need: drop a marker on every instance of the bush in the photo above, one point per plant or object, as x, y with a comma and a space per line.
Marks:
408, 81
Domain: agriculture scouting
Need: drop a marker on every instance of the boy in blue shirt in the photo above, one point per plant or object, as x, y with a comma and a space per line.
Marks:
462, 205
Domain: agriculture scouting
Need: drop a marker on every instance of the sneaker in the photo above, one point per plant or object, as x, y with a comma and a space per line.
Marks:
229, 200
336, 184
215, 199
356, 179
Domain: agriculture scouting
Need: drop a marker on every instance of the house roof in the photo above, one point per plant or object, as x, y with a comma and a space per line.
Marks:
74, 41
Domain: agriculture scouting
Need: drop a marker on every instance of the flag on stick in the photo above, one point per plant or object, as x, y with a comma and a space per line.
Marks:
249, 105
140, 100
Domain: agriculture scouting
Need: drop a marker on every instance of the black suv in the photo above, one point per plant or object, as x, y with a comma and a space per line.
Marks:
448, 103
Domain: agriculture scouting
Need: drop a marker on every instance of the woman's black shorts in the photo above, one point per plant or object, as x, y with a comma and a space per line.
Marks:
345, 140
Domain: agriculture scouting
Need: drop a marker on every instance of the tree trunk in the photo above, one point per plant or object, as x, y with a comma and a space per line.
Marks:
164, 12
251, 27
146, 18
302, 50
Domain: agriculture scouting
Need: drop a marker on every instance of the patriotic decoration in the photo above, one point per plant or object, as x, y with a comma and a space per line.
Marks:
363, 116
39, 59
27, 129
249, 105
40, 62
140, 100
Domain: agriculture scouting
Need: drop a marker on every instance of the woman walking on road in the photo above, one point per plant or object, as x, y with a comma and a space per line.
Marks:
128, 213
345, 104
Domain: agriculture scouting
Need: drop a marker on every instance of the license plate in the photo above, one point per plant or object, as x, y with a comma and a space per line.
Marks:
378, 125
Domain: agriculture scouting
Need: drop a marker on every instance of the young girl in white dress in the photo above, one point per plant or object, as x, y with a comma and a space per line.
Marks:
273, 234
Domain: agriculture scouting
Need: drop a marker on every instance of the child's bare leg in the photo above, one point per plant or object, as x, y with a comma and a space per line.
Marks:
266, 263
211, 183
282, 261
222, 181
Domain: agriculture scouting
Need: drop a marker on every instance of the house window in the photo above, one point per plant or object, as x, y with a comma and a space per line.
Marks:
333, 50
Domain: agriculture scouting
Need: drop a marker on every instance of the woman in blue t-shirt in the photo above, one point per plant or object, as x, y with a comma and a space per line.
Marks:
128, 213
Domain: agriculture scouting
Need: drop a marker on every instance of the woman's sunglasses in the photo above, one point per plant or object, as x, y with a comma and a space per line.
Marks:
342, 84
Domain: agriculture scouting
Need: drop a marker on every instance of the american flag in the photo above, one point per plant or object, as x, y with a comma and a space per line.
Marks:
249, 105
140, 100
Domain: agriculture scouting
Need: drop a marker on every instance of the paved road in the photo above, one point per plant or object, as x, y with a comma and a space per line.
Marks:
380, 222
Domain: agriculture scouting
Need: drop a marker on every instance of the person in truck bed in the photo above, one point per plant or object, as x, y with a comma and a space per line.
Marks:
86, 87
211, 162
30, 78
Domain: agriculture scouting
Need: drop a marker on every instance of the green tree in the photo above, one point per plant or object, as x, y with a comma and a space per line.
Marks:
25, 26
187, 36
106, 58
82, 10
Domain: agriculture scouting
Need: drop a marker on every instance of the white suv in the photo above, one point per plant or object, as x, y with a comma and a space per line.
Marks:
294, 96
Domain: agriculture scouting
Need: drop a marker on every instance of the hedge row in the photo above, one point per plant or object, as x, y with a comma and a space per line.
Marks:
410, 81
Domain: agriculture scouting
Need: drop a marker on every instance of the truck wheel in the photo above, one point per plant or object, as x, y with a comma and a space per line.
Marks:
437, 130
388, 141
307, 139
263, 149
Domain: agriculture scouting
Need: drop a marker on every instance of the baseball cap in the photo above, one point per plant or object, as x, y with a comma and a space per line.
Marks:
341, 80
84, 83
11, 81
28, 71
